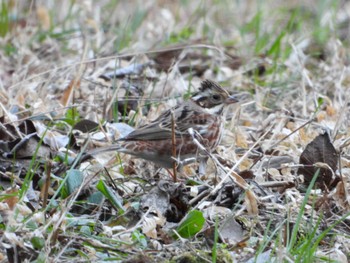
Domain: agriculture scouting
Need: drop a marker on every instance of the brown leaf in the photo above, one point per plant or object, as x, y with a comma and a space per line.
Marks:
12, 198
250, 199
43, 17
67, 94
320, 150
27, 127
86, 125
165, 59
251, 203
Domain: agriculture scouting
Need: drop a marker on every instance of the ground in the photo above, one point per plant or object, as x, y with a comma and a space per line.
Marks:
77, 75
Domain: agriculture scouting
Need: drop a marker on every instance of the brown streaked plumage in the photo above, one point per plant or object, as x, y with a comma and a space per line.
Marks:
204, 113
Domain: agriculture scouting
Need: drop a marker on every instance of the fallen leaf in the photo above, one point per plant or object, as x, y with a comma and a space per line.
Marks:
319, 151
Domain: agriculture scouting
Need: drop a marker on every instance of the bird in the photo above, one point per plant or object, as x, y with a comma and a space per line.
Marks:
201, 117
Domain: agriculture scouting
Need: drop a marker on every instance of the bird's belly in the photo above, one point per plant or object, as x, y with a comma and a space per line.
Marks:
161, 151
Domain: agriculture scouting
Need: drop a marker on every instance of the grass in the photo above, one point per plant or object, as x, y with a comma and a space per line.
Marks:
82, 214
4, 19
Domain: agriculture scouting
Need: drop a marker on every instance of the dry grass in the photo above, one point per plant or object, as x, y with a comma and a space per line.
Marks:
288, 61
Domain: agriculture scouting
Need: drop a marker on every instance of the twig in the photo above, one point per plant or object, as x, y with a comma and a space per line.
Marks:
173, 142
228, 174
297, 129
60, 67
45, 191
111, 179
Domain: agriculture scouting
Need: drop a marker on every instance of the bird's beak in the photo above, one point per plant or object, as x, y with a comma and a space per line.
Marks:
231, 99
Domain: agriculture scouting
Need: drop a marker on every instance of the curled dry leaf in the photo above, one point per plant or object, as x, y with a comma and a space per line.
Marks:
168, 199
250, 198
53, 139
149, 225
341, 195
67, 94
320, 150
251, 202
231, 232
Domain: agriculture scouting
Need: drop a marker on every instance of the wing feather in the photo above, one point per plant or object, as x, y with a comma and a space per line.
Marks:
160, 129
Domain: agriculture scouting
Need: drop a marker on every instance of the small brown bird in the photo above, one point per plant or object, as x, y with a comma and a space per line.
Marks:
204, 113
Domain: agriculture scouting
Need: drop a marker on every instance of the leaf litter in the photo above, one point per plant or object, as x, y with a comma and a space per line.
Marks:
77, 86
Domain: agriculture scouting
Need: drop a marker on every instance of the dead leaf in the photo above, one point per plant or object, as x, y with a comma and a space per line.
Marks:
251, 203
320, 150
86, 125
331, 111
231, 232
43, 17
12, 199
149, 227
250, 198
168, 199
165, 59
67, 94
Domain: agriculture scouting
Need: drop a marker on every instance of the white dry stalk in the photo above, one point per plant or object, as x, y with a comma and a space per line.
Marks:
114, 96
78, 76
250, 198
344, 107
63, 250
11, 120
305, 77
138, 224
228, 174
131, 54
193, 134
325, 166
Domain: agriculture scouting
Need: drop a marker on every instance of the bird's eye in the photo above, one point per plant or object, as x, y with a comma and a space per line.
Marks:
216, 97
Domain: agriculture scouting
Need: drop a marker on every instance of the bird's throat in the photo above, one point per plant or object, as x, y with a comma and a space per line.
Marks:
216, 110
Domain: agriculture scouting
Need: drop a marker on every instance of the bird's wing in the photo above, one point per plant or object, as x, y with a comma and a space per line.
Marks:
161, 128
